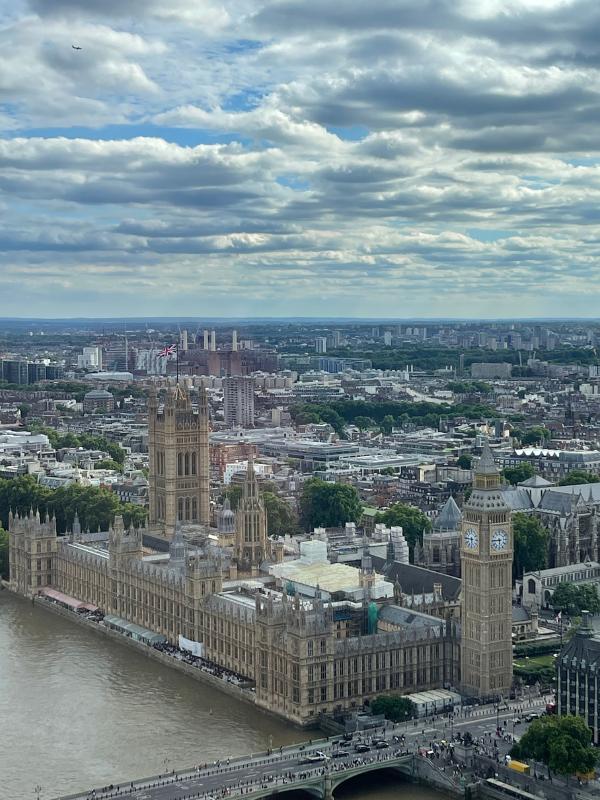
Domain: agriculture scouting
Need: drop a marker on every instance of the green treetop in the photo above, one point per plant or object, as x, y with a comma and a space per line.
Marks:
562, 743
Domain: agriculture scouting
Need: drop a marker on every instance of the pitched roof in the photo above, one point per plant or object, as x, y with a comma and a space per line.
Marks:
449, 518
486, 464
536, 481
417, 580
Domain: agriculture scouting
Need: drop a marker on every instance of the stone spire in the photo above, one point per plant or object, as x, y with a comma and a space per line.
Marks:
486, 464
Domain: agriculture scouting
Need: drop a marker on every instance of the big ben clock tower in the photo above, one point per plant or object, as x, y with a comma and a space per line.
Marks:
486, 604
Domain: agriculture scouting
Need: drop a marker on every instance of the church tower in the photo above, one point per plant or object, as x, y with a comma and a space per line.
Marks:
179, 467
486, 604
251, 526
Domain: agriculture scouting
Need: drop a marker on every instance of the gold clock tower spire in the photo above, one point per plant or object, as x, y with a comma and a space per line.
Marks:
486, 606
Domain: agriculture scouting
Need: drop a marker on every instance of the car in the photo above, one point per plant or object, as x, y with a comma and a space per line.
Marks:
381, 745
361, 748
340, 754
517, 720
532, 716
315, 758
348, 737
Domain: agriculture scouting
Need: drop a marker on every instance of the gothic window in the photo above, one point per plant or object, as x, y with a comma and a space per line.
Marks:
194, 509
310, 647
180, 463
193, 463
38, 547
187, 508
531, 586
180, 508
187, 463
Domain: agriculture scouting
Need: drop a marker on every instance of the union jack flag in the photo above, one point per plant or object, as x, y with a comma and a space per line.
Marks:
168, 350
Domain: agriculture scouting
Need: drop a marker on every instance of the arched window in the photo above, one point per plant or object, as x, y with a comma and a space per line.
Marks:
531, 586
180, 463
194, 509
187, 508
180, 509
193, 463
187, 463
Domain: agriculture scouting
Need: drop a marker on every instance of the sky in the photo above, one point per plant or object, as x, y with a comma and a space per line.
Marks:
393, 158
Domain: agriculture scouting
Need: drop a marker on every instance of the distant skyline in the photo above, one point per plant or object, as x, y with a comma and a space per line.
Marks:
399, 159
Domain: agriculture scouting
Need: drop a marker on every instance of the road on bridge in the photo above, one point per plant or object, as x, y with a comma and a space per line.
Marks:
263, 774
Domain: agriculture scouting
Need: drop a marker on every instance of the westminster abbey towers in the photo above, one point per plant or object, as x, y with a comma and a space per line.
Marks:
486, 556
178, 462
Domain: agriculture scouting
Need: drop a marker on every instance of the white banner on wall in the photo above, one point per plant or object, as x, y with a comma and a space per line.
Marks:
195, 648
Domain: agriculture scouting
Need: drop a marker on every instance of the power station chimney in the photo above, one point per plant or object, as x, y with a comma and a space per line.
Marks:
206, 340
184, 339
213, 340
234, 341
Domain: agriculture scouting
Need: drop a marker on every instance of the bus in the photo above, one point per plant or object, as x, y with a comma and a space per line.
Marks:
506, 790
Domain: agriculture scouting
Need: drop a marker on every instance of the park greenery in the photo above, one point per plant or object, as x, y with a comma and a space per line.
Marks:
394, 707
531, 541
464, 461
95, 506
562, 743
328, 505
572, 599
578, 476
522, 472
469, 387
412, 521
531, 436
85, 440
537, 669
385, 414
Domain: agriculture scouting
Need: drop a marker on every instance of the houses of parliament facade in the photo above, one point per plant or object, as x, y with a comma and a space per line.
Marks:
307, 655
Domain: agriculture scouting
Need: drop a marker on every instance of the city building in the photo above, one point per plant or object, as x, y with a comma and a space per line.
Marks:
178, 461
537, 588
488, 371
486, 601
578, 676
98, 400
238, 401
440, 550
321, 344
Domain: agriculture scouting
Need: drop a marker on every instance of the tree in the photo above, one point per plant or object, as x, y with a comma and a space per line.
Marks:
412, 521
573, 599
387, 423
531, 540
535, 435
578, 476
281, 519
465, 461
518, 474
96, 507
108, 463
24, 409
394, 707
562, 743
3, 553
328, 505
364, 422
234, 493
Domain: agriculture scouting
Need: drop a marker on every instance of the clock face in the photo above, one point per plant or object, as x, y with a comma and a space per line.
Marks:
499, 540
471, 538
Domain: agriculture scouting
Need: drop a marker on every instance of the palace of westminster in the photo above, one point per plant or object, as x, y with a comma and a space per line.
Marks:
314, 637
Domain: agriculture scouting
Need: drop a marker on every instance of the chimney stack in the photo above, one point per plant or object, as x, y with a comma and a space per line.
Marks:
213, 340
234, 345
206, 340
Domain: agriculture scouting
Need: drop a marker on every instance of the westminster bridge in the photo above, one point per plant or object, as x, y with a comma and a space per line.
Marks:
316, 769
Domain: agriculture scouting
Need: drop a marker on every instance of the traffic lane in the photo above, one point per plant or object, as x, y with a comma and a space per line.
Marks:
265, 774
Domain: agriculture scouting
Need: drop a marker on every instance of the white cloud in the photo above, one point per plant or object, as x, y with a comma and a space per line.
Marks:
365, 153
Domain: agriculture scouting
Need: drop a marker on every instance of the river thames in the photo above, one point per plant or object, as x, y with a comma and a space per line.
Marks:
77, 710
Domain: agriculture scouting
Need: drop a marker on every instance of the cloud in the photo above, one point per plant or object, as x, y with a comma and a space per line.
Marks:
302, 156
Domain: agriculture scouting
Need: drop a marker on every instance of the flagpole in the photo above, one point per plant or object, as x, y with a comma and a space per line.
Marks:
177, 356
